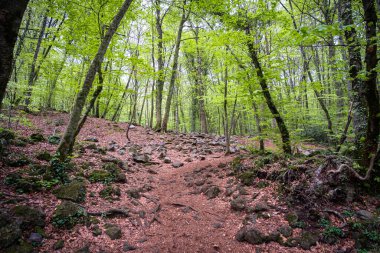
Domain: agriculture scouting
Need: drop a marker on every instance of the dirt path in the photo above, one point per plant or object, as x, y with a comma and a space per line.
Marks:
189, 222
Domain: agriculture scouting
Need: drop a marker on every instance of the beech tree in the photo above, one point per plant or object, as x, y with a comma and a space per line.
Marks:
11, 14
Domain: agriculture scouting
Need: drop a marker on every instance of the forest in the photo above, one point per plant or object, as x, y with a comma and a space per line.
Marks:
189, 126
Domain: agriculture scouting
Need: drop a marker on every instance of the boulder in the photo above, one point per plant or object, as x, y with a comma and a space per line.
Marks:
128, 247
10, 230
364, 215
141, 158
30, 217
251, 235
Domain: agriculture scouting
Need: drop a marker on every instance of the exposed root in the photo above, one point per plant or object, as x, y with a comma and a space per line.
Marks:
338, 215
110, 213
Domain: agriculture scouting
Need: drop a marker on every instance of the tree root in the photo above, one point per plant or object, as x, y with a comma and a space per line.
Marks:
110, 213
337, 215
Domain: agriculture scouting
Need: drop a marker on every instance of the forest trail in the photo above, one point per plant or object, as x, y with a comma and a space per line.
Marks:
179, 191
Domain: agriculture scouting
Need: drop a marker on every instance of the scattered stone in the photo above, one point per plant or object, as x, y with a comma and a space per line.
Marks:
85, 249
74, 191
177, 164
308, 239
128, 247
96, 231
251, 235
167, 160
59, 245
188, 160
238, 204
92, 139
200, 182
35, 238
364, 215
212, 192
285, 230
68, 214
144, 158
110, 193
134, 193
260, 207
113, 231
229, 192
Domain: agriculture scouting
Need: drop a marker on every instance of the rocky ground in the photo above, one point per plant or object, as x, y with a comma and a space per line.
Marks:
171, 193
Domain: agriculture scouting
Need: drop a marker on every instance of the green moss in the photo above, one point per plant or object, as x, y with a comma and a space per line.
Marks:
100, 176
17, 160
54, 139
74, 191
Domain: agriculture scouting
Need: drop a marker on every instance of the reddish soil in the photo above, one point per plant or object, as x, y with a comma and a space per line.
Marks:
175, 215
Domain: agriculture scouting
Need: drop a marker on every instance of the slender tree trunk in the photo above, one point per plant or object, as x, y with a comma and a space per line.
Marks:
160, 71
268, 98
11, 13
225, 111
33, 72
174, 71
69, 136
92, 102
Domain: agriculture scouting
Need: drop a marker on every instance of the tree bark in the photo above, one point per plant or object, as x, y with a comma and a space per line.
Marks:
268, 98
358, 89
69, 136
160, 70
11, 13
33, 72
174, 70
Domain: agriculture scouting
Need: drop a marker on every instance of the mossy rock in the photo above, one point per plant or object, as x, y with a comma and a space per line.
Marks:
23, 184
113, 231
30, 217
68, 214
74, 191
110, 193
100, 176
7, 134
37, 137
292, 218
17, 160
10, 230
44, 156
116, 172
22, 247
308, 239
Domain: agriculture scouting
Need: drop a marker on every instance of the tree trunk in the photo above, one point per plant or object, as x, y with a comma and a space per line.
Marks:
11, 13
371, 94
69, 136
268, 98
33, 72
174, 71
358, 90
160, 70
